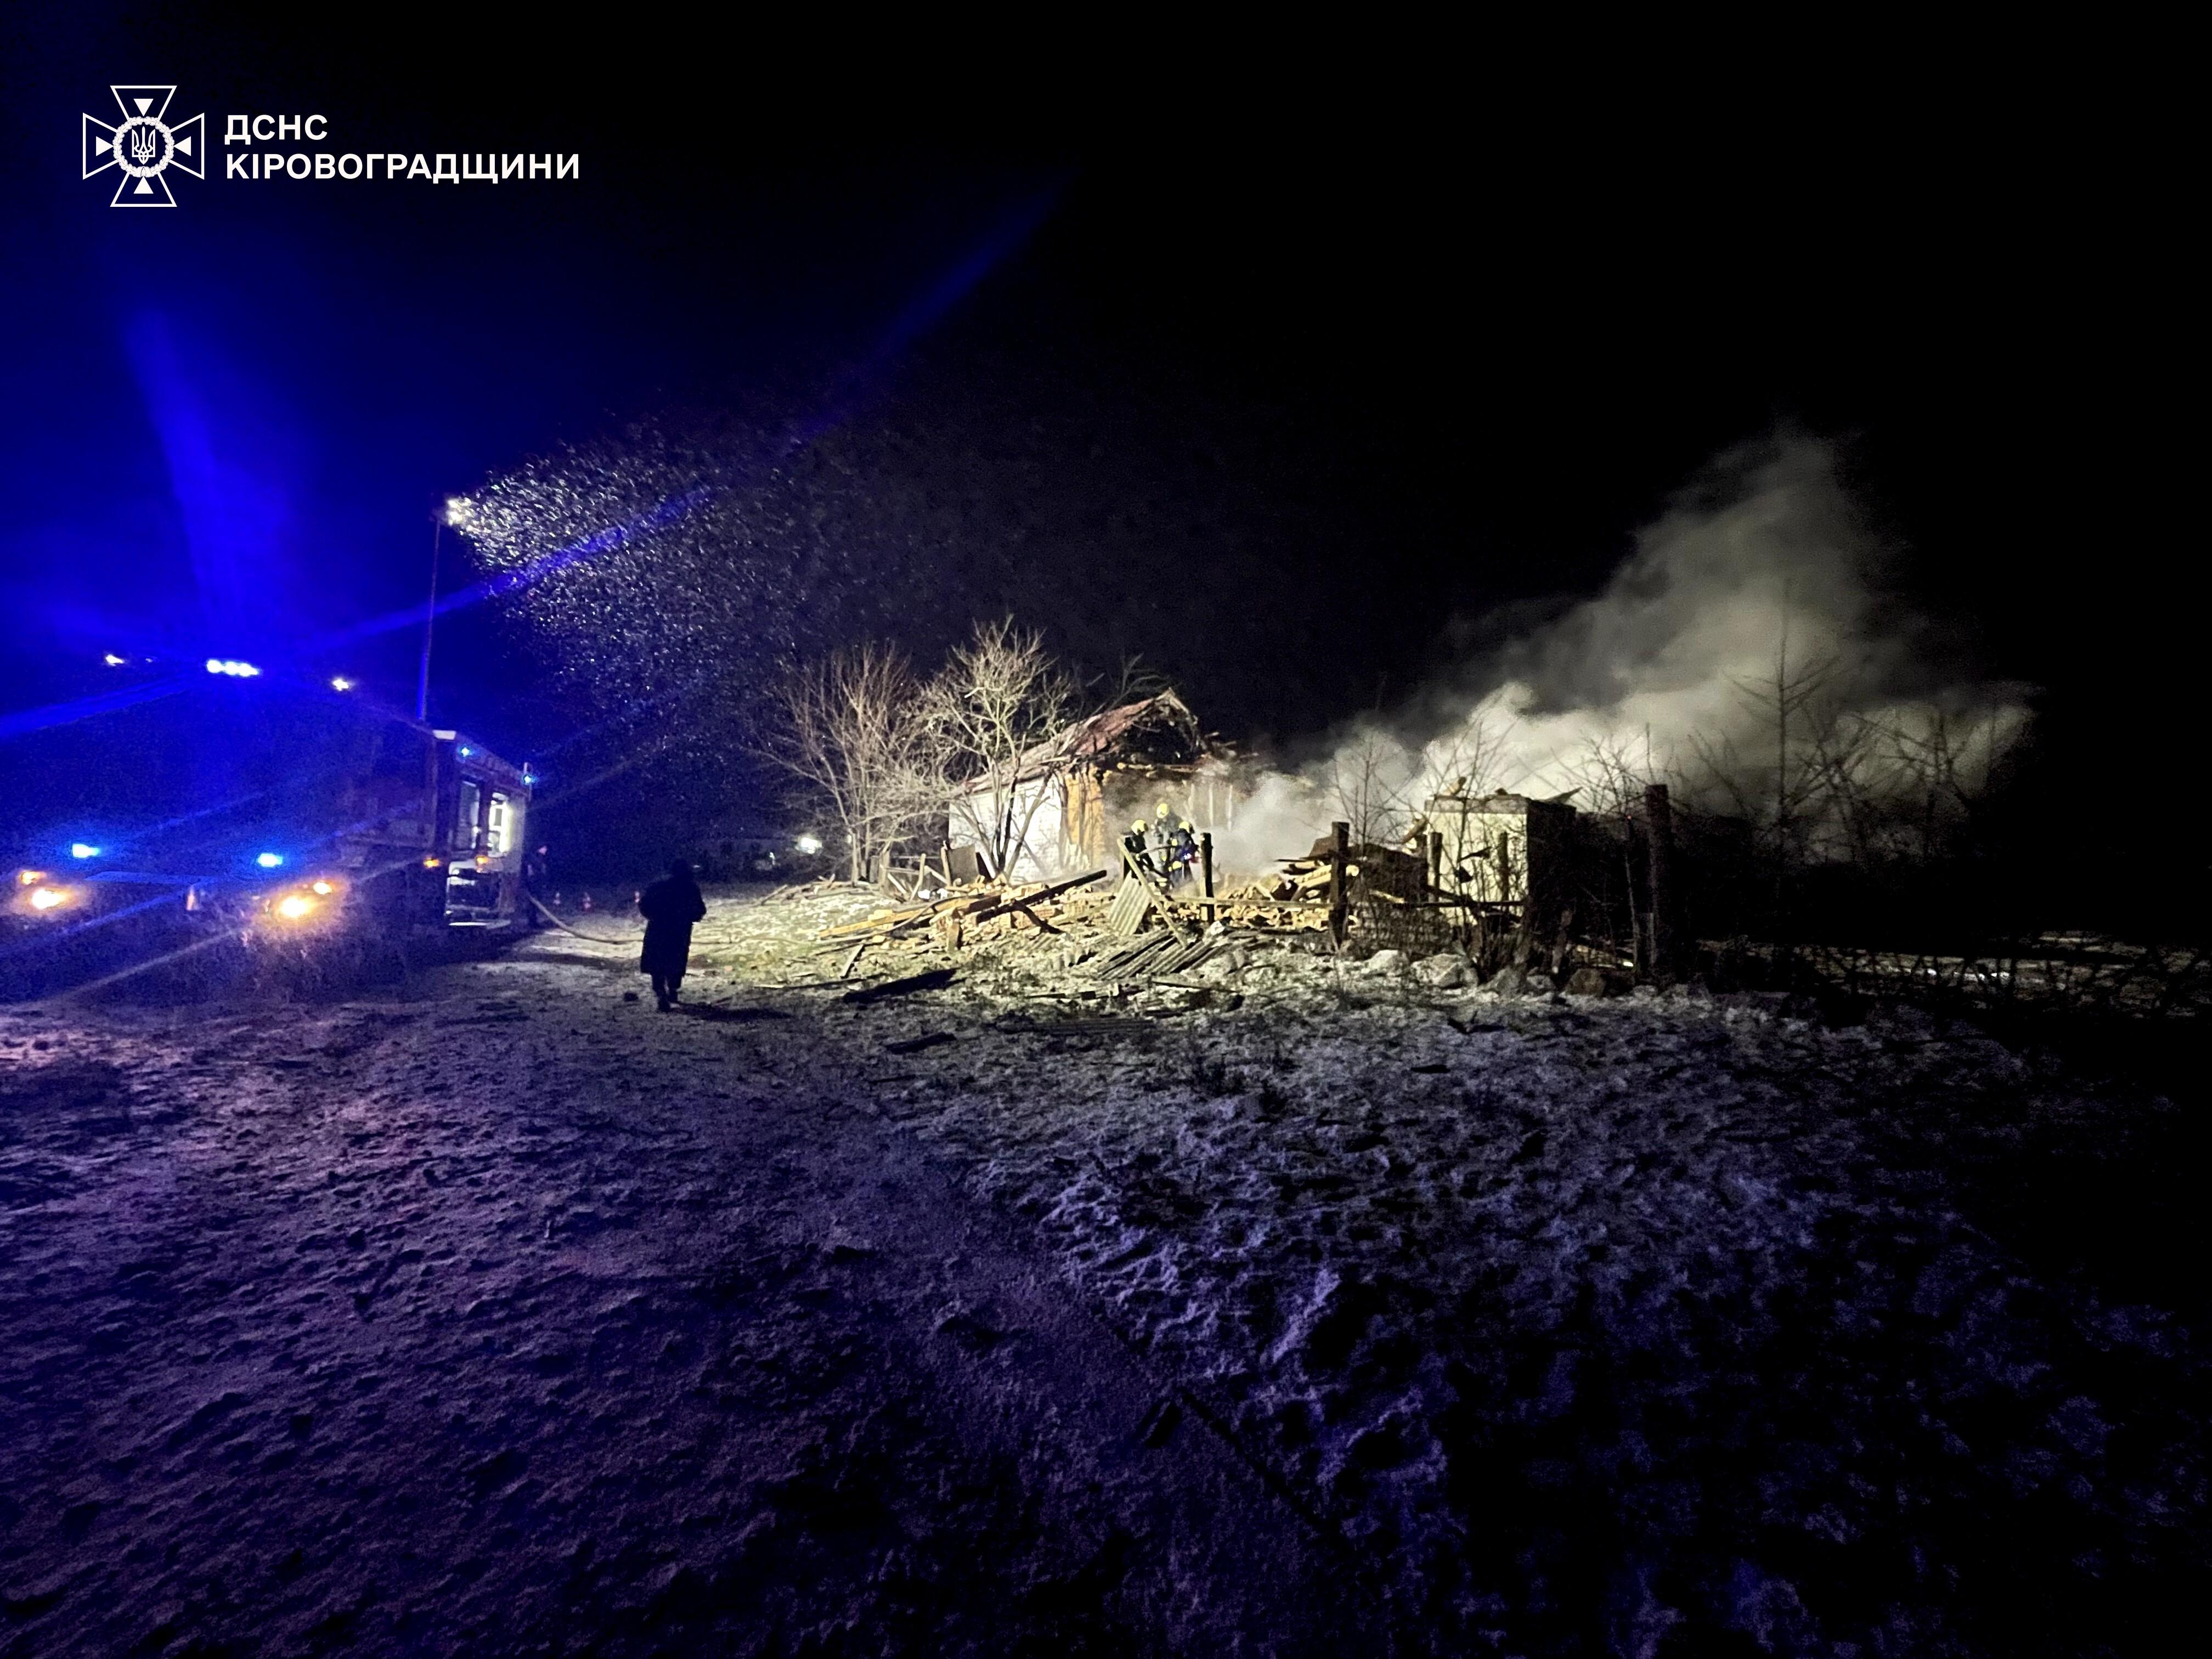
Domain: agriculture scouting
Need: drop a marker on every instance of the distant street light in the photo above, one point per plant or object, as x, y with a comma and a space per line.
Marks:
340, 683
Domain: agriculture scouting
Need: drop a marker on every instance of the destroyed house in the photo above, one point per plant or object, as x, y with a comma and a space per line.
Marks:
1507, 855
1541, 867
1075, 795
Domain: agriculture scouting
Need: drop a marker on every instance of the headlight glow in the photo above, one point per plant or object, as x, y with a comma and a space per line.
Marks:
45, 898
293, 906
325, 888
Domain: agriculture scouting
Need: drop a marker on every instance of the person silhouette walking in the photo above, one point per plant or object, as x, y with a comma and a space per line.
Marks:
670, 906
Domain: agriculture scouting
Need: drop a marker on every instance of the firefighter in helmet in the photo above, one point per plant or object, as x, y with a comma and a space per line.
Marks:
1134, 853
1186, 851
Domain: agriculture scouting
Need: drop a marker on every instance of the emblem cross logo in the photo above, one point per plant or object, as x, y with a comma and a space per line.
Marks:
145, 146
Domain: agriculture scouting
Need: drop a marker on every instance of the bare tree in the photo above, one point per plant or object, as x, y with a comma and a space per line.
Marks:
996, 709
1382, 787
1847, 778
1364, 785
1609, 777
1793, 694
1941, 765
1903, 784
855, 731
1471, 760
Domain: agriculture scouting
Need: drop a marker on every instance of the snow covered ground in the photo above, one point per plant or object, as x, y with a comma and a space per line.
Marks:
1311, 1313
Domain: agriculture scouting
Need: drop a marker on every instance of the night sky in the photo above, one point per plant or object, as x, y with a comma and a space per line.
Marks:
1376, 348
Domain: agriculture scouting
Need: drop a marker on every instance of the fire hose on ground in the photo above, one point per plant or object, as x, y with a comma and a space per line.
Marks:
572, 932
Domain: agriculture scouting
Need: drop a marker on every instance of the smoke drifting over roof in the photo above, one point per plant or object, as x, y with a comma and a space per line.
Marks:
1765, 569
1765, 565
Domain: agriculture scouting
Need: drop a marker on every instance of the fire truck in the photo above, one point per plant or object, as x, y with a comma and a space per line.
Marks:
272, 809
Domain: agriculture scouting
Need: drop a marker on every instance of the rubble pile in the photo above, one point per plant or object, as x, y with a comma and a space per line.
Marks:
1136, 932
1389, 901
1299, 879
1084, 937
970, 914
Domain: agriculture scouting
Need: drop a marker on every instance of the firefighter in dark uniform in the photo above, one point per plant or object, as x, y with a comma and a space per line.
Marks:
1135, 854
1185, 852
537, 884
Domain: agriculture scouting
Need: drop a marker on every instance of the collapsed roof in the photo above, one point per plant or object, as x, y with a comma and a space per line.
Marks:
1158, 731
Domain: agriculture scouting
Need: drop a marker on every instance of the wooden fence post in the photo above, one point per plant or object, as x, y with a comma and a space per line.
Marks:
1339, 898
1661, 897
1205, 862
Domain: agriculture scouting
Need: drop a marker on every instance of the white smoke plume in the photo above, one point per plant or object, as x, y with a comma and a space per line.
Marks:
1760, 579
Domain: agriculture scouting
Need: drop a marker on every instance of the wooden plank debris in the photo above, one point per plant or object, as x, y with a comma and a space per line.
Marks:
956, 917
1150, 956
1132, 904
1122, 1026
935, 980
1156, 900
1025, 903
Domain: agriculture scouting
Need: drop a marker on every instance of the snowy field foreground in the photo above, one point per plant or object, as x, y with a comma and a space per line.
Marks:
1303, 1315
